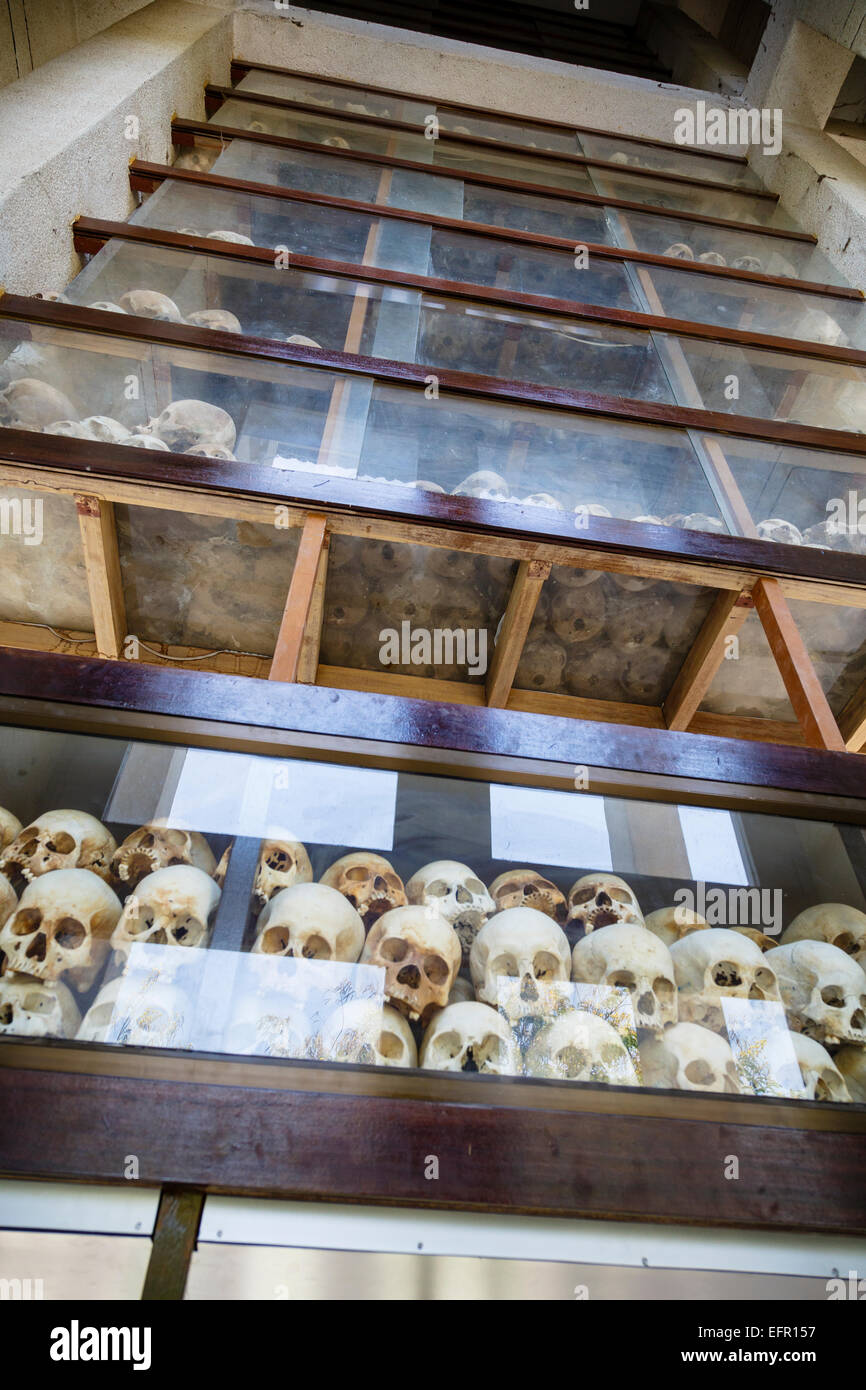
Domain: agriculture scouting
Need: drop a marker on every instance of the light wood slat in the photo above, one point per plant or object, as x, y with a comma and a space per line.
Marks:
522, 601
726, 617
287, 653
104, 580
308, 663
852, 721
795, 666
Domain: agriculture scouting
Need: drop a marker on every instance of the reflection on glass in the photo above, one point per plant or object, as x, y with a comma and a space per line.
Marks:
748, 683
729, 204
835, 638
618, 149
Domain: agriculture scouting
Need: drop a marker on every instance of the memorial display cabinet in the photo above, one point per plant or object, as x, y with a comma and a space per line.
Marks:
434, 675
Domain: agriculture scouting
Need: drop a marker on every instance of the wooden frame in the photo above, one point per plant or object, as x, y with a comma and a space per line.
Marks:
362, 1134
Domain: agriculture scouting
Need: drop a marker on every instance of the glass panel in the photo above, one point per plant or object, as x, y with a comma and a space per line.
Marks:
198, 581
785, 313
118, 391
41, 560
411, 610
744, 250
322, 130
835, 639
509, 265
801, 496
748, 683
772, 385
315, 173
610, 636
544, 457
340, 926
635, 154
475, 159
730, 204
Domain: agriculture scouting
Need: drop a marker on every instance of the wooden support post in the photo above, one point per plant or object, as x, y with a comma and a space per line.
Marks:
789, 650
725, 618
311, 641
852, 721
174, 1237
525, 592
287, 653
104, 581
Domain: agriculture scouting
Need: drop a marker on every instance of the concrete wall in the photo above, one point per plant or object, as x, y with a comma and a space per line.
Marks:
32, 32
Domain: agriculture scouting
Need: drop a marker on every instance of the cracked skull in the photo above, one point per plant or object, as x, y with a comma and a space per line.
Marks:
171, 907
719, 964
630, 957
157, 846
823, 991
456, 892
59, 840
470, 1037
369, 882
420, 953
312, 922
61, 928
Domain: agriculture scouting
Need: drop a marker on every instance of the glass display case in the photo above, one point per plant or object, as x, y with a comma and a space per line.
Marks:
296, 919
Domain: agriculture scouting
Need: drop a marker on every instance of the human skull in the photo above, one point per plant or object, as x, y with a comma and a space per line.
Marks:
237, 237
369, 882
218, 319
780, 531
352, 1034
281, 864
599, 900
59, 840
521, 944
161, 1015
851, 1062
484, 483
156, 846
150, 304
542, 663
462, 991
822, 989
719, 964
187, 424
543, 499
680, 251
311, 922
212, 451
299, 340
712, 258
456, 892
822, 1079
145, 441
8, 899
68, 429
105, 429
688, 1057
171, 907
420, 953
61, 927
10, 826
671, 924
638, 622
843, 926
31, 1009
761, 940
338, 142
580, 1046
578, 616
752, 263
28, 404
106, 306
472, 1038
629, 957
527, 888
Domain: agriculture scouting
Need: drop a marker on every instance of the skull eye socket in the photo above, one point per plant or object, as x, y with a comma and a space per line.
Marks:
278, 860
26, 921
765, 983
61, 843
70, 934
700, 1073
6, 1013
357, 875
475, 885
845, 942
624, 979
438, 889
504, 965
390, 1045
450, 1044
572, 1062
394, 949
275, 941
316, 948
436, 970
544, 965
726, 975
833, 996
664, 990
583, 895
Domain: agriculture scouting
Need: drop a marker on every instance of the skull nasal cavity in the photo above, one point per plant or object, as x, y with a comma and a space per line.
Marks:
36, 949
394, 949
410, 976
700, 1073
